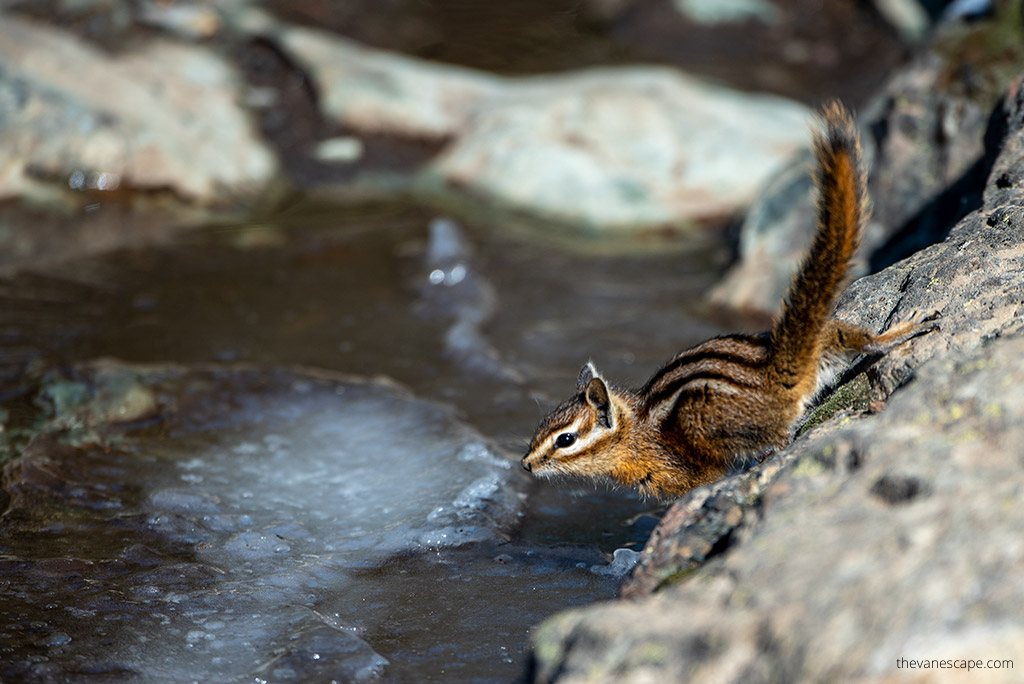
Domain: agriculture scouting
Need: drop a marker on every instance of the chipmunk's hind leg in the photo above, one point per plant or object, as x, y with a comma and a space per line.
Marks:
847, 338
904, 331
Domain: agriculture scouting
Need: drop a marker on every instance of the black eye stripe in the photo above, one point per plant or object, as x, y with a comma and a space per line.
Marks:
566, 439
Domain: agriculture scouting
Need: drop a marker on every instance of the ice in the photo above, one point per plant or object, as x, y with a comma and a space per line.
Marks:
292, 487
255, 545
345, 468
623, 561
178, 501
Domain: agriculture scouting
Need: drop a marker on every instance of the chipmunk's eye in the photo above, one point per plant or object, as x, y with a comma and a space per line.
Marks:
566, 439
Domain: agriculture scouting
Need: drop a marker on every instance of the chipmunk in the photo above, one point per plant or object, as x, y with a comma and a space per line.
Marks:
735, 397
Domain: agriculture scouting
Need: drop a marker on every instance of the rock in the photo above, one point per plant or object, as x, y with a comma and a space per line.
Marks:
623, 138
373, 91
924, 138
698, 527
873, 538
773, 238
189, 20
968, 9
114, 396
801, 49
623, 561
1007, 175
339, 150
871, 551
73, 119
972, 278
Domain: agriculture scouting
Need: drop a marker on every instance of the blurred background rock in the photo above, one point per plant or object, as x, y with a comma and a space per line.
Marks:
183, 109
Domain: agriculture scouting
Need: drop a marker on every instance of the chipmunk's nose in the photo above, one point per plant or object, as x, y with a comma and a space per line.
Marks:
526, 464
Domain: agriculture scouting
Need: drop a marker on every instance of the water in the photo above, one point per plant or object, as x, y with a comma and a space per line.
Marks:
227, 543
288, 524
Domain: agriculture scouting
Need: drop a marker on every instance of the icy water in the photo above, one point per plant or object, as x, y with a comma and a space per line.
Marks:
245, 537
257, 519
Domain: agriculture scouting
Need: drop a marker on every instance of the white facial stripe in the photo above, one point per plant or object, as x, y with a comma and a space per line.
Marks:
581, 442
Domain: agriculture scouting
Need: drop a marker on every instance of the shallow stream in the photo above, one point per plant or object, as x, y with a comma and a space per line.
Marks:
321, 482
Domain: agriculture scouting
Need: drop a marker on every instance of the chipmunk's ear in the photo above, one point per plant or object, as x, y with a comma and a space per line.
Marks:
598, 399
587, 373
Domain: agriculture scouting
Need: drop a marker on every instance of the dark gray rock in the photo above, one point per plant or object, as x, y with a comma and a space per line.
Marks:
973, 278
866, 551
879, 536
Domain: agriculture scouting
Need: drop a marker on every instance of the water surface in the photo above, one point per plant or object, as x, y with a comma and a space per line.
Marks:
280, 522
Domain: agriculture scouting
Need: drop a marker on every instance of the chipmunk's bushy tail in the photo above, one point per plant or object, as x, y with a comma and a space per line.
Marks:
842, 211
